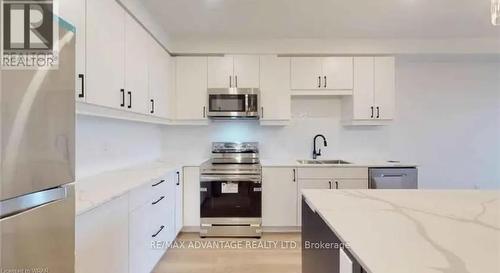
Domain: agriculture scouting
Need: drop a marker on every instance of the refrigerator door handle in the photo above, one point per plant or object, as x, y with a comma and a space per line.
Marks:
31, 201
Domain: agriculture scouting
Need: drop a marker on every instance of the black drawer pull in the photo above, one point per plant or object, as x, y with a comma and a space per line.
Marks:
129, 99
156, 234
82, 78
157, 201
156, 184
178, 178
123, 97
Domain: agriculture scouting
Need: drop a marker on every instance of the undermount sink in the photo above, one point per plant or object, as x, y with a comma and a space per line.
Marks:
316, 162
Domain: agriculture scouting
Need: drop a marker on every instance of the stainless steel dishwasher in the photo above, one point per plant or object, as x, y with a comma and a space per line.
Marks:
393, 178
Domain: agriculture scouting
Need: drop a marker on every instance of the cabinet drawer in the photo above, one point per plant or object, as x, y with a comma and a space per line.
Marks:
149, 192
329, 173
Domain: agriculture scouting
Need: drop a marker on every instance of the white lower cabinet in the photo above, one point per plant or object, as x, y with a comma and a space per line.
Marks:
102, 238
191, 201
152, 224
130, 233
282, 186
179, 208
330, 178
279, 197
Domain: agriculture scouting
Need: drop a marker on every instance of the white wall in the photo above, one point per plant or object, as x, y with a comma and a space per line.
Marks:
448, 121
106, 144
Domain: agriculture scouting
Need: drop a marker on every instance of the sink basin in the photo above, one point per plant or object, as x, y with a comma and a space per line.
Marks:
316, 162
309, 162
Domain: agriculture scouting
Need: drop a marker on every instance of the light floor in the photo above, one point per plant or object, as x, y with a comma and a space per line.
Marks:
273, 253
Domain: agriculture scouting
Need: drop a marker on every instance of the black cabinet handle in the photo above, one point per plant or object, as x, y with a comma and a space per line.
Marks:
157, 201
129, 99
123, 97
82, 92
262, 110
336, 185
236, 81
330, 184
319, 82
152, 106
204, 111
178, 178
156, 184
294, 176
378, 112
325, 81
372, 112
156, 234
230, 82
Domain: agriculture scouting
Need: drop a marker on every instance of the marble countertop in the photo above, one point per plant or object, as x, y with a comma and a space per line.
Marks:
287, 162
415, 231
98, 189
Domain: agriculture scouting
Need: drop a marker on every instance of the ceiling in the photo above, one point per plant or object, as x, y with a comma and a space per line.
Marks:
323, 19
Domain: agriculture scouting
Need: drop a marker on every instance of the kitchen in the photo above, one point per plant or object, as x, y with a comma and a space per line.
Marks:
256, 124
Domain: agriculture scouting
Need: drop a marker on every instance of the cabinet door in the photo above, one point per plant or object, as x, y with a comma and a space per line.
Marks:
191, 88
140, 227
159, 80
338, 73
306, 73
385, 87
178, 201
311, 184
191, 198
275, 95
246, 71
363, 93
105, 58
102, 238
344, 183
279, 197
74, 12
136, 66
220, 72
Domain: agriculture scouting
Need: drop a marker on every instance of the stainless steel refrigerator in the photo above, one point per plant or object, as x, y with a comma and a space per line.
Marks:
37, 166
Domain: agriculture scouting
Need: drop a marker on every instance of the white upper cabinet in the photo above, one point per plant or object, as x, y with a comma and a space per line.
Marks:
191, 88
233, 71
363, 95
246, 71
274, 88
160, 85
105, 58
220, 72
327, 73
136, 66
384, 87
373, 99
74, 12
306, 73
338, 73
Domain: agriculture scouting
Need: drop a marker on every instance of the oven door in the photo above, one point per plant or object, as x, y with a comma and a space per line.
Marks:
230, 198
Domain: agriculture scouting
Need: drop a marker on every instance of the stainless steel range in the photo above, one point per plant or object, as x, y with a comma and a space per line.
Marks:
231, 191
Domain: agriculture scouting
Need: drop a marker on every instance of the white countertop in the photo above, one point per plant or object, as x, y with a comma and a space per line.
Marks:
98, 189
415, 231
287, 162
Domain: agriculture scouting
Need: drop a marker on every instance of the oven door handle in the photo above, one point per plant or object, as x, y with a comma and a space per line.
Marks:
230, 178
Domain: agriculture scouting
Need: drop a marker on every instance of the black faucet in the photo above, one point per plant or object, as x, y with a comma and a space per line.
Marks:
318, 153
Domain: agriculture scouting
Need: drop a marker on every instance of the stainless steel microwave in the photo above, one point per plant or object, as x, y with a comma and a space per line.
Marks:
233, 103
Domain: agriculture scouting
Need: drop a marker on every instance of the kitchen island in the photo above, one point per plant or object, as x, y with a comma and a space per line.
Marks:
401, 231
